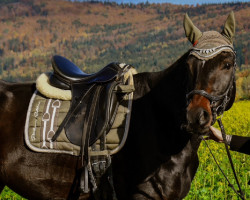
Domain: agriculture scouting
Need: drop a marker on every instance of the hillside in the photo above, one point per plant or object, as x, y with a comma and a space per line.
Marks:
148, 36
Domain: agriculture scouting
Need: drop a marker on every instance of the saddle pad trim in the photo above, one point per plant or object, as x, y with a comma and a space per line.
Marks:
26, 133
130, 81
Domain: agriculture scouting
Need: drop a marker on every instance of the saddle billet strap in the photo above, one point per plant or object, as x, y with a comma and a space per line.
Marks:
99, 157
88, 124
108, 110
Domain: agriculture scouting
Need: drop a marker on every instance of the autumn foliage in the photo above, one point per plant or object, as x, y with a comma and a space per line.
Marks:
148, 36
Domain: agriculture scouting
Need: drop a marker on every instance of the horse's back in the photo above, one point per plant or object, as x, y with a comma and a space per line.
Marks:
21, 168
14, 97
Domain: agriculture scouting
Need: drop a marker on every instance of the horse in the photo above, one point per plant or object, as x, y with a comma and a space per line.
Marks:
172, 109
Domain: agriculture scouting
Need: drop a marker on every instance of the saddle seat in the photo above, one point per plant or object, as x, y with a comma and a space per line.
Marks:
66, 73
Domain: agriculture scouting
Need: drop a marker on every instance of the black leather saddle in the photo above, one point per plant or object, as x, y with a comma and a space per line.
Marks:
66, 73
94, 100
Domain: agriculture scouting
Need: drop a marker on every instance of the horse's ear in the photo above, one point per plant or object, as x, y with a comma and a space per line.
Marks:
229, 27
232, 97
192, 32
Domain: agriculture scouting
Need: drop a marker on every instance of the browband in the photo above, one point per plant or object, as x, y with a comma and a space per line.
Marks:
210, 53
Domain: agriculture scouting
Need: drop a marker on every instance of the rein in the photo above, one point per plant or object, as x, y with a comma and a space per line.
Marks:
239, 192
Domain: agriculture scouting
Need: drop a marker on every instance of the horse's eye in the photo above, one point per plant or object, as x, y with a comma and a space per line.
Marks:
227, 66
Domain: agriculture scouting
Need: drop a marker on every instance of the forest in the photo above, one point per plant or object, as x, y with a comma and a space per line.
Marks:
148, 36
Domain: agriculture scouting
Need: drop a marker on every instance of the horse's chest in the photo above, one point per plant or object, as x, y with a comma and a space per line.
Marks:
176, 176
172, 180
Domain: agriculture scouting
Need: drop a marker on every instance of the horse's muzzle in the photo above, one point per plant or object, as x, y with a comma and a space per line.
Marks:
198, 120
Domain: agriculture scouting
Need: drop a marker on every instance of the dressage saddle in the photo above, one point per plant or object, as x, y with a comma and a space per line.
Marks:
66, 73
94, 105
94, 100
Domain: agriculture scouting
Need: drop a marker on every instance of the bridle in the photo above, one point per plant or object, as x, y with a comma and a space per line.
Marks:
220, 108
225, 97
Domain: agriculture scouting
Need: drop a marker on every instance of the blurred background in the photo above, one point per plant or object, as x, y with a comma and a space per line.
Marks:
146, 34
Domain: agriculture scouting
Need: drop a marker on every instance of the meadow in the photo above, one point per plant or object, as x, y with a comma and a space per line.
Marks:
209, 183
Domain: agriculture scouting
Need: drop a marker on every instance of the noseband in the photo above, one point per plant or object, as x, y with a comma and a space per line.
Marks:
224, 98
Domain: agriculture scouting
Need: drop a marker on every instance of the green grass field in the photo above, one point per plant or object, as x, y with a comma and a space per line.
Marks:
209, 183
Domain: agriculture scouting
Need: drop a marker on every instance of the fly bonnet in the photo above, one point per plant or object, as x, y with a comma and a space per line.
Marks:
206, 46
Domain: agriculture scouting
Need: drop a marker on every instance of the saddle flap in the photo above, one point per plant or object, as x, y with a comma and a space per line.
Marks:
95, 114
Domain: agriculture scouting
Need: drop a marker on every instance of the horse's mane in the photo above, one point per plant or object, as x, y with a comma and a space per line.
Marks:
146, 81
180, 63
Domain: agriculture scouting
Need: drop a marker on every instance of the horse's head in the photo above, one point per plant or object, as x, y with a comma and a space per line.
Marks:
211, 63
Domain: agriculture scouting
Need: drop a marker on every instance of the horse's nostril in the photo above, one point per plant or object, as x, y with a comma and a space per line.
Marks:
198, 117
203, 118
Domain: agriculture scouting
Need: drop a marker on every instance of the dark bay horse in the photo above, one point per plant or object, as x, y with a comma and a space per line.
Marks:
171, 110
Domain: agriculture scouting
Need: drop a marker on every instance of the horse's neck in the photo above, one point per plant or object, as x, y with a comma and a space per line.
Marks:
159, 107
164, 91
170, 82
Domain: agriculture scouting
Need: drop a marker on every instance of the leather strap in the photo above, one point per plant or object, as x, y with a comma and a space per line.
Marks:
88, 124
74, 105
240, 192
205, 94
